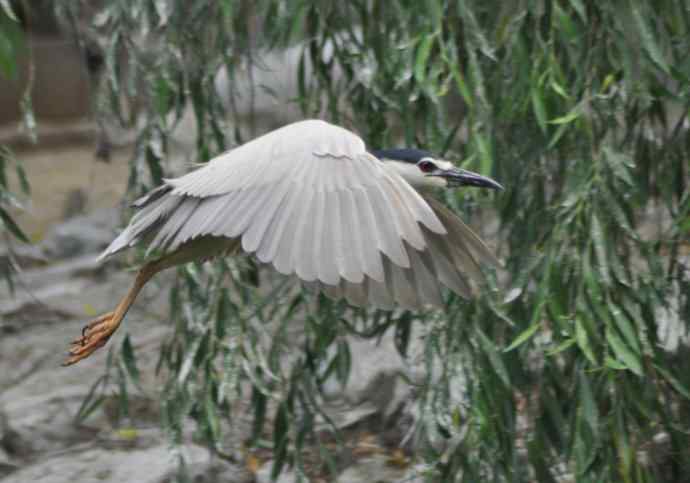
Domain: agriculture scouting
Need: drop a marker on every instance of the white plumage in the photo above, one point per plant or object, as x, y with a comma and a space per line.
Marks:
311, 201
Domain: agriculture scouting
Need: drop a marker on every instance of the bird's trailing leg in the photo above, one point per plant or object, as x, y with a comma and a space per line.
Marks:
97, 332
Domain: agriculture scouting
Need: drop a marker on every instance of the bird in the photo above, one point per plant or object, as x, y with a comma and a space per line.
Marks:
311, 200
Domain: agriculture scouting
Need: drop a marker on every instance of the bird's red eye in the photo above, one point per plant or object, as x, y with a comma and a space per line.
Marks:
426, 166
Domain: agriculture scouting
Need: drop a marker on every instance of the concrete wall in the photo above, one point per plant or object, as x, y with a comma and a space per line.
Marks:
61, 88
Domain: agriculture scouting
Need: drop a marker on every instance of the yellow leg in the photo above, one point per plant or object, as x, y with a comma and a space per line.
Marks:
97, 332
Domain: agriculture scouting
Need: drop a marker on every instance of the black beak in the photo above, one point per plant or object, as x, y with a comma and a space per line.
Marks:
457, 177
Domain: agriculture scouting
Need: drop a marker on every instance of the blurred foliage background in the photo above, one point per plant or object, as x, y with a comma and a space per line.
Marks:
11, 46
574, 361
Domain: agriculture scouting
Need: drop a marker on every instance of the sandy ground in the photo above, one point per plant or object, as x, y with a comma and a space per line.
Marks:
66, 180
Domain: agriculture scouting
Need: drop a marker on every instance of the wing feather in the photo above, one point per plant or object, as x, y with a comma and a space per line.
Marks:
353, 249
390, 241
304, 238
427, 287
324, 256
174, 223
402, 285
369, 236
460, 231
404, 220
264, 218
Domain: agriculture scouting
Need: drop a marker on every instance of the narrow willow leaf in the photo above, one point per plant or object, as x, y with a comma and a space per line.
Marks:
562, 346
539, 108
600, 249
92, 400
568, 118
626, 328
621, 165
258, 403
623, 352
343, 362
211, 416
422, 57
462, 86
677, 385
579, 8
11, 45
559, 89
614, 364
523, 337
7, 9
589, 407
12, 227
648, 39
5, 155
495, 358
21, 176
583, 341
130, 360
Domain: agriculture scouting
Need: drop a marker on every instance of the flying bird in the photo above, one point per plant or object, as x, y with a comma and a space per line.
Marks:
311, 200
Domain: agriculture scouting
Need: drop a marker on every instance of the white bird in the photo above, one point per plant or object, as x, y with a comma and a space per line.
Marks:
312, 201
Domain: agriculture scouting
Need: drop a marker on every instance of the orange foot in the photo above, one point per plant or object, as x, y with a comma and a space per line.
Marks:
93, 337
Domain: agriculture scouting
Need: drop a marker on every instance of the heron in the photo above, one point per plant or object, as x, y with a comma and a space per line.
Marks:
311, 200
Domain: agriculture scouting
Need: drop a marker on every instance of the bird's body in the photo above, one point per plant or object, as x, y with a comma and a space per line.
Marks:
310, 200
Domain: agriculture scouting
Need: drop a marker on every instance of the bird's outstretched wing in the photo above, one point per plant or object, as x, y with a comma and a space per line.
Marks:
310, 200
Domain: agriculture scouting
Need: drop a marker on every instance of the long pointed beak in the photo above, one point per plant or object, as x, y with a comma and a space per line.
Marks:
457, 177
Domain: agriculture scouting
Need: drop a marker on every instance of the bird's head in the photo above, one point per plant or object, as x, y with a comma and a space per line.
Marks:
422, 170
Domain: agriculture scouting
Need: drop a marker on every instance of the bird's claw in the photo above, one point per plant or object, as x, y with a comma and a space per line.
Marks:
94, 335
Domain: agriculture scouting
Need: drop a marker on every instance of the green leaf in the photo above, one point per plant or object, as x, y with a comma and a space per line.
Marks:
13, 228
583, 341
258, 403
587, 403
648, 39
211, 416
92, 401
561, 347
579, 7
422, 57
343, 362
7, 9
568, 118
11, 44
599, 241
523, 337
626, 328
495, 358
677, 385
623, 353
539, 107
130, 360
621, 165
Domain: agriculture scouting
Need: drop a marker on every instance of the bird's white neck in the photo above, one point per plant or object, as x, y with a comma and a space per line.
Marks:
414, 176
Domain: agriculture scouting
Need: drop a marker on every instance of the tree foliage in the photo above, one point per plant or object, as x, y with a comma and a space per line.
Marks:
11, 48
580, 108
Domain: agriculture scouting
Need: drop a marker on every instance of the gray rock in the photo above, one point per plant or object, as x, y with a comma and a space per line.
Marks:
374, 375
264, 474
213, 471
82, 234
82, 465
22, 255
378, 469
